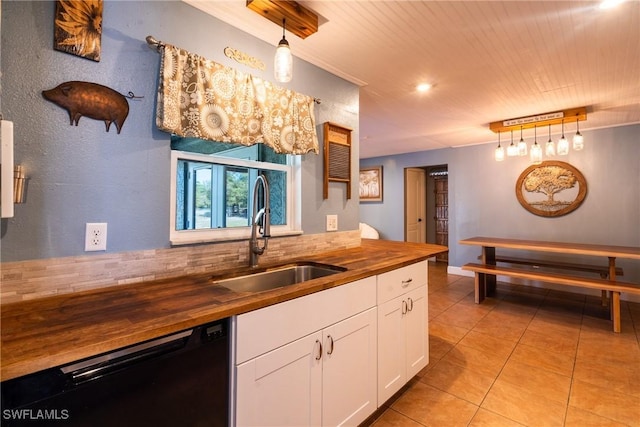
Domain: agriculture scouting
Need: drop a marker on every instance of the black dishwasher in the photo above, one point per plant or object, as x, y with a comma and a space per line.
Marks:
178, 380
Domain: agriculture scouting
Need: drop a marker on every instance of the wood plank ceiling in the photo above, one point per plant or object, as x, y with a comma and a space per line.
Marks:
487, 61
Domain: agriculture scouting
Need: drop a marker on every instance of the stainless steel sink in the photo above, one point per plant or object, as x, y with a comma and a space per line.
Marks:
278, 277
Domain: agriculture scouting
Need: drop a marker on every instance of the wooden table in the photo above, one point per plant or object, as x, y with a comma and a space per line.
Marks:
489, 245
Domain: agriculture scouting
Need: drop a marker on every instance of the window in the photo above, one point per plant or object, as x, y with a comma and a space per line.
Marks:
212, 194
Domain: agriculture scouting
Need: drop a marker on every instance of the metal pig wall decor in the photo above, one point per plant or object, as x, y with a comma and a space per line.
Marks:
91, 100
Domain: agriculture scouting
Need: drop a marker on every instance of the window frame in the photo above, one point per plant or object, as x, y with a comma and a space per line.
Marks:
293, 225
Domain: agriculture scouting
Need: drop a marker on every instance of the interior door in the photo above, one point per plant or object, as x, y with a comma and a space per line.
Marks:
442, 214
415, 206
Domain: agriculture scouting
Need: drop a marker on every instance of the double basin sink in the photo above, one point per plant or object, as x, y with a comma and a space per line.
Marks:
278, 277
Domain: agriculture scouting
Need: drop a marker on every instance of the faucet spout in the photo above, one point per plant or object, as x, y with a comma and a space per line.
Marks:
259, 219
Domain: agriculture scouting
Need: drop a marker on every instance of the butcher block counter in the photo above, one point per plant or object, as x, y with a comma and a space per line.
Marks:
53, 331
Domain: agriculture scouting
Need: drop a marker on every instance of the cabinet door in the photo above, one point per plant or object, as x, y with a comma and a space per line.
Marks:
391, 349
282, 387
417, 331
349, 370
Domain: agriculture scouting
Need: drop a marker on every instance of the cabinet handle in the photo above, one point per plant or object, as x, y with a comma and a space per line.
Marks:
319, 355
406, 283
405, 307
410, 304
330, 338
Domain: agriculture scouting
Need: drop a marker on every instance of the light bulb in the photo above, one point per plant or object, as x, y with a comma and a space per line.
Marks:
283, 62
499, 154
536, 154
550, 148
563, 146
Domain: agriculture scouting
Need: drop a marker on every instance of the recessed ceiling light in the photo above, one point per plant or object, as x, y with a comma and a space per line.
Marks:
423, 87
608, 4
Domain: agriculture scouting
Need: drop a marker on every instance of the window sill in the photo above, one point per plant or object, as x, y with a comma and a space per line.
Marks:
193, 237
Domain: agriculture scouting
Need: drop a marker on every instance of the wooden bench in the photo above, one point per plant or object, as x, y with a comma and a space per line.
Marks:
602, 270
612, 286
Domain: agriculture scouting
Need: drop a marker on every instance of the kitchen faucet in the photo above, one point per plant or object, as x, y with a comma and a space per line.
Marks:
262, 218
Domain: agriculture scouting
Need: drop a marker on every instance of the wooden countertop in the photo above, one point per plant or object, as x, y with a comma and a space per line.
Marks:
49, 332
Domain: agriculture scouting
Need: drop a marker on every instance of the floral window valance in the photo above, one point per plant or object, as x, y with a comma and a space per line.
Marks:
203, 99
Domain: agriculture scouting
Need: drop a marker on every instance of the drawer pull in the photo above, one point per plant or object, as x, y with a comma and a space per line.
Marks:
319, 355
330, 351
405, 307
407, 282
410, 304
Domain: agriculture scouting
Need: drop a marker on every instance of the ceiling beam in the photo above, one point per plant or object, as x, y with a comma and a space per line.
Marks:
299, 20
553, 118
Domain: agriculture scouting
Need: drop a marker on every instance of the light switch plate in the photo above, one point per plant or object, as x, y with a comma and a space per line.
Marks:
332, 222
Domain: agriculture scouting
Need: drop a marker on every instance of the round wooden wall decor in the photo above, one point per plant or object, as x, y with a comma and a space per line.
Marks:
551, 188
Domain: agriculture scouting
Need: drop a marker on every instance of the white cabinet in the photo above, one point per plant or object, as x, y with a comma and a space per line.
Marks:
310, 361
403, 335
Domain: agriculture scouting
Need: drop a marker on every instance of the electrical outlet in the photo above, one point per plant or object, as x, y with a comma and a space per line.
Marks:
332, 222
95, 237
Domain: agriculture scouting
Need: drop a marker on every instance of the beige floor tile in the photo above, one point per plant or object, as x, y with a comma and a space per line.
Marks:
438, 347
459, 381
484, 418
461, 315
538, 381
501, 326
488, 343
543, 358
432, 407
482, 362
559, 342
523, 406
579, 418
619, 377
391, 418
606, 403
450, 333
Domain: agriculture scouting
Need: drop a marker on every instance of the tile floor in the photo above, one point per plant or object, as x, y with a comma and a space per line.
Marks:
526, 357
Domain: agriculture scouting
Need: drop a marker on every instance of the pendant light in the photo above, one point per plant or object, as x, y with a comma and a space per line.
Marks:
563, 144
536, 150
578, 139
522, 146
512, 150
283, 61
550, 149
499, 154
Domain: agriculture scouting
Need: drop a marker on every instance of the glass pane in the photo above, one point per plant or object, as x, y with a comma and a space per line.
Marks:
258, 152
213, 195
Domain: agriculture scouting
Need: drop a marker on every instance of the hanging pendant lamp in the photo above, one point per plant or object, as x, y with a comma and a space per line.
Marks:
550, 149
512, 150
499, 154
536, 150
578, 139
563, 144
283, 61
522, 146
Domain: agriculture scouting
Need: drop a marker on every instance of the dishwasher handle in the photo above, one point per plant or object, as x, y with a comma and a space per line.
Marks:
100, 366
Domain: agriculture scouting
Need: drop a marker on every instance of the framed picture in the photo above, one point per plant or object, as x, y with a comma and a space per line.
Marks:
370, 188
551, 189
78, 28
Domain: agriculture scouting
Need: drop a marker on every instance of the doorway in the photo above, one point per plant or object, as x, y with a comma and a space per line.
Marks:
438, 207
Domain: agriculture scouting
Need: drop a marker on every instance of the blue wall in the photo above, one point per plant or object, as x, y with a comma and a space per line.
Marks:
482, 200
84, 174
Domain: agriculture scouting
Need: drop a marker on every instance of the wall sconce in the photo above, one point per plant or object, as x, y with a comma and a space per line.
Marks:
283, 61
19, 180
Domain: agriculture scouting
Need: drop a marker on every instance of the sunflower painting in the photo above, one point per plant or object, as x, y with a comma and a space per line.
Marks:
78, 27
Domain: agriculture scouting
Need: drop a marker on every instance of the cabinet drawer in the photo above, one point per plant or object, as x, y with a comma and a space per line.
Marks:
397, 282
263, 330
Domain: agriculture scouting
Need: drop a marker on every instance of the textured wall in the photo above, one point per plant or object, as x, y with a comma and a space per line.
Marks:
482, 198
84, 174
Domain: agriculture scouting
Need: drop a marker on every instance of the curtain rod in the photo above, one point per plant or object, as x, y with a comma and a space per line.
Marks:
157, 44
